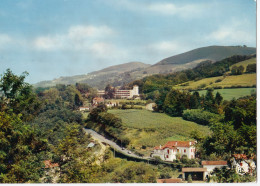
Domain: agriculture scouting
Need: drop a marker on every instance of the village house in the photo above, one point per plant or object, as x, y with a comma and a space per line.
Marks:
211, 165
97, 100
83, 108
242, 164
174, 149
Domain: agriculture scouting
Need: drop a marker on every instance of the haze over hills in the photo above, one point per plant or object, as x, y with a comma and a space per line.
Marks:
119, 75
115, 75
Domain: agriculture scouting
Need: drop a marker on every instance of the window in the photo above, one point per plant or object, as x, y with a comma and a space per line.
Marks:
184, 150
191, 156
167, 156
191, 150
178, 150
168, 151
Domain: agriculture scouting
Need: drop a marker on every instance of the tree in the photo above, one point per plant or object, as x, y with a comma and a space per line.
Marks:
251, 68
17, 96
218, 98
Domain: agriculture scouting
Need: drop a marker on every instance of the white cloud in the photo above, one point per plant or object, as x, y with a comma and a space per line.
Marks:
166, 8
4, 39
235, 32
78, 37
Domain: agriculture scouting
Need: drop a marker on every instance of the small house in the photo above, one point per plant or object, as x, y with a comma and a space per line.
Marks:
174, 149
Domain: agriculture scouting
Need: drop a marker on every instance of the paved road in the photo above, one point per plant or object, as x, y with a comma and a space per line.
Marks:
112, 144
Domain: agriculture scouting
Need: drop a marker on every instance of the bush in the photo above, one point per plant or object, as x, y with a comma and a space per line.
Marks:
199, 116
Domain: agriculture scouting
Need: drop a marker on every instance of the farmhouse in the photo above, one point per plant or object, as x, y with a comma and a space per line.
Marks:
211, 165
97, 101
83, 108
242, 164
172, 149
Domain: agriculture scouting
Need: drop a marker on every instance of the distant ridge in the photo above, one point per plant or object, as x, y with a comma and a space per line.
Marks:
119, 75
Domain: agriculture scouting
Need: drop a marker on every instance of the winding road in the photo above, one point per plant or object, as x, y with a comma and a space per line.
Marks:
112, 144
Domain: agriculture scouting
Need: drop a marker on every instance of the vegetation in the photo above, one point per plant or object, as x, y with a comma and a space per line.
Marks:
149, 129
229, 94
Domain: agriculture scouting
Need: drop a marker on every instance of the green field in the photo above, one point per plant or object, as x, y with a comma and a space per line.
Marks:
149, 129
225, 81
245, 63
229, 94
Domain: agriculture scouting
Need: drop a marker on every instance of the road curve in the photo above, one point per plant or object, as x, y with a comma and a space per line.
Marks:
111, 143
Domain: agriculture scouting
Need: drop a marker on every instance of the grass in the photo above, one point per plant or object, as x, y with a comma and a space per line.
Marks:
149, 129
225, 81
229, 94
245, 63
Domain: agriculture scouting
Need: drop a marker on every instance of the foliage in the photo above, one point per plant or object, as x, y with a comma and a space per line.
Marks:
20, 159
200, 116
226, 175
16, 96
251, 68
237, 70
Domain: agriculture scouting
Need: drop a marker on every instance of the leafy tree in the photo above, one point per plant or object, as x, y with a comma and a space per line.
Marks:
251, 68
20, 150
17, 96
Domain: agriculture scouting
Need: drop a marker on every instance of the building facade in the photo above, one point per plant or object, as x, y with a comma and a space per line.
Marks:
123, 93
174, 149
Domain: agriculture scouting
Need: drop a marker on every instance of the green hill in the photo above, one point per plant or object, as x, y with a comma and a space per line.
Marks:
116, 75
149, 129
192, 58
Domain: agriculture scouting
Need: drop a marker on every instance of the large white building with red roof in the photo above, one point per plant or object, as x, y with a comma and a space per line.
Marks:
172, 149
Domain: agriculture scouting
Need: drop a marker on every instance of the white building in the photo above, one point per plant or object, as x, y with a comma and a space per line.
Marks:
123, 93
83, 108
172, 149
211, 165
127, 93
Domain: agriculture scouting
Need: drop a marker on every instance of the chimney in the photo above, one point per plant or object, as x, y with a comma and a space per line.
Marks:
190, 143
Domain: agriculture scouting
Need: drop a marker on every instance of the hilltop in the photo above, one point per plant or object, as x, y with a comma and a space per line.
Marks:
115, 75
119, 75
192, 58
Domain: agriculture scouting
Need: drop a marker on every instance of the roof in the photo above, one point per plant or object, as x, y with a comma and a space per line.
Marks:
48, 164
214, 163
176, 180
192, 169
174, 144
98, 99
240, 156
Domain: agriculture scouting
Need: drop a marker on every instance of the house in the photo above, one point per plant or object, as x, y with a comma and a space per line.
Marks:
97, 101
112, 104
211, 165
174, 149
175, 180
242, 164
83, 108
197, 173
48, 164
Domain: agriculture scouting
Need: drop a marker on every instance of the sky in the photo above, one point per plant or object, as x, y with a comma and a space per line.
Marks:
53, 38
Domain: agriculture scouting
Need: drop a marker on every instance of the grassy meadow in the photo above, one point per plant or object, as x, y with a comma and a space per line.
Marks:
248, 80
229, 94
148, 129
245, 63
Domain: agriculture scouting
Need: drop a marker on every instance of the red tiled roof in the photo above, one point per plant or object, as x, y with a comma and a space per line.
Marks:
176, 180
214, 163
97, 99
48, 164
240, 156
174, 144
196, 169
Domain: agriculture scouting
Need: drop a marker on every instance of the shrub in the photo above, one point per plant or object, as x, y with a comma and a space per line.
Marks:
199, 116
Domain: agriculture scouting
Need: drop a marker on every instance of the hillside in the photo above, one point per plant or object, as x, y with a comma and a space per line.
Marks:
191, 58
149, 129
119, 75
115, 75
